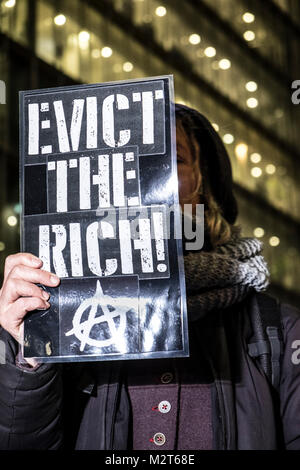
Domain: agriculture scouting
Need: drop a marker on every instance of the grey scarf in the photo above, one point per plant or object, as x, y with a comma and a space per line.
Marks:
222, 277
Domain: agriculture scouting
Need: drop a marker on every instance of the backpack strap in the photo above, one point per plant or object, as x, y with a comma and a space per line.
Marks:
267, 344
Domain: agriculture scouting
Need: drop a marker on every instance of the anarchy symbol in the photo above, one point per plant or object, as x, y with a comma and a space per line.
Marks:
82, 329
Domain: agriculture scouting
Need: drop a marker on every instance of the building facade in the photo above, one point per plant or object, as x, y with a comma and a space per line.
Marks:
233, 60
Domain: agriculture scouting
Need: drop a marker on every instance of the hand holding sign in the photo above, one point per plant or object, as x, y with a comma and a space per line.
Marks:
20, 294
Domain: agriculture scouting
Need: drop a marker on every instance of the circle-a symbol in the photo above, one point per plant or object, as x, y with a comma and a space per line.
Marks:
82, 329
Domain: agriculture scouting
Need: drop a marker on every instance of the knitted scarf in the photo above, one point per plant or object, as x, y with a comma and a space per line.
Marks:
222, 277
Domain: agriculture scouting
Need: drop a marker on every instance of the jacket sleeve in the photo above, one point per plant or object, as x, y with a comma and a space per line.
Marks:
30, 402
290, 378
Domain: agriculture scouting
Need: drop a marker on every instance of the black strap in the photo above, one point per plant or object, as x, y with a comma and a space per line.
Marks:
267, 341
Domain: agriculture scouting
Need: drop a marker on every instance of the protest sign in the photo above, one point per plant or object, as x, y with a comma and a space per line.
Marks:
99, 195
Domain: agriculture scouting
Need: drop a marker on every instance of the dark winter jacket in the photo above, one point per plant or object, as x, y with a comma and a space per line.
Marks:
86, 405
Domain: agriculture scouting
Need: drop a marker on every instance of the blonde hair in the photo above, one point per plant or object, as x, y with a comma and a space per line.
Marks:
218, 229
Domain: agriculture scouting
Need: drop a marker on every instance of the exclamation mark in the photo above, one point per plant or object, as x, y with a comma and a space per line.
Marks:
159, 240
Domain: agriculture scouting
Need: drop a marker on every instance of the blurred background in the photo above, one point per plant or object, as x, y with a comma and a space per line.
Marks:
233, 60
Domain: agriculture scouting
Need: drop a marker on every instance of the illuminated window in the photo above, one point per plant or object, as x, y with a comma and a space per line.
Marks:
251, 86
224, 64
60, 20
270, 169
258, 232
194, 39
84, 37
255, 157
274, 241
256, 172
161, 11
12, 220
248, 17
106, 52
252, 103
228, 139
241, 151
127, 67
215, 126
249, 35
210, 51
10, 3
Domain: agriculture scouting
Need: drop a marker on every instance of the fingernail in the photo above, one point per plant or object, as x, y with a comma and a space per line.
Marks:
54, 280
47, 306
36, 261
45, 295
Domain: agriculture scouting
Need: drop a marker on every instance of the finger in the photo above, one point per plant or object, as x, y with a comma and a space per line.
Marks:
27, 304
14, 316
15, 288
25, 259
37, 276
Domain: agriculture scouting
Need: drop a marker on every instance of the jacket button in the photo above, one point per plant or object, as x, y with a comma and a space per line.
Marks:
166, 378
164, 406
159, 439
